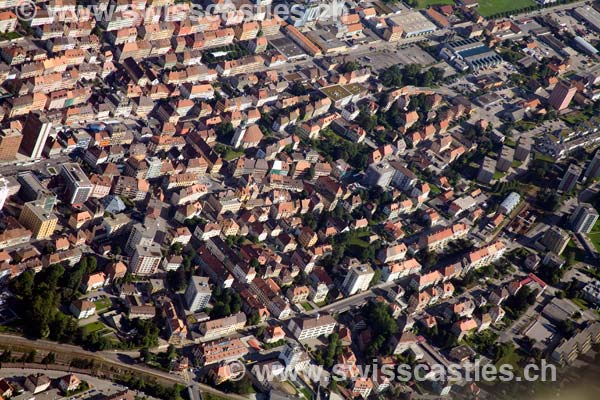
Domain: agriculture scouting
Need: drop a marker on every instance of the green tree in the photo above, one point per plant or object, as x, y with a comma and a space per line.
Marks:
379, 318
171, 352
22, 285
50, 358
254, 319
6, 356
92, 264
177, 279
146, 355
376, 278
225, 131
31, 356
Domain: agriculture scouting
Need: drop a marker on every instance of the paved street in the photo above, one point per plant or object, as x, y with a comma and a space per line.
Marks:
349, 302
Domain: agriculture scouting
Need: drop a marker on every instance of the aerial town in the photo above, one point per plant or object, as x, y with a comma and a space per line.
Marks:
213, 199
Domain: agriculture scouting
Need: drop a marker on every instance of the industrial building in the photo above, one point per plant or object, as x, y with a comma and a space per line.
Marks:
474, 53
589, 15
413, 24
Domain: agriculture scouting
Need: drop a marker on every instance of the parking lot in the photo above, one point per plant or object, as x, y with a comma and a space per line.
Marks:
385, 58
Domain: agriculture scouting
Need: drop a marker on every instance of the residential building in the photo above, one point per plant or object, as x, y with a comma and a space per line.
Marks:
176, 327
221, 327
583, 218
69, 383
397, 270
570, 349
143, 233
357, 279
78, 186
439, 237
145, 259
487, 170
591, 292
380, 174
40, 222
312, 327
220, 351
82, 309
32, 189
197, 294
484, 256
569, 179
94, 281
36, 130
593, 169
555, 240
509, 203
10, 141
4, 190
561, 95
37, 383
294, 357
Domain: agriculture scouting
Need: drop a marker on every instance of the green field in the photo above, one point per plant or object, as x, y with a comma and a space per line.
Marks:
102, 304
581, 303
227, 152
430, 3
358, 242
594, 236
231, 154
499, 175
434, 190
492, 7
579, 253
93, 327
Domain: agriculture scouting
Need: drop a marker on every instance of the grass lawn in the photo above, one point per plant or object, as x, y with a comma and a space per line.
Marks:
307, 306
9, 36
429, 3
93, 327
491, 7
581, 303
228, 153
358, 242
574, 118
579, 254
524, 126
499, 175
543, 157
511, 358
306, 393
594, 236
357, 239
434, 190
231, 154
102, 304
210, 396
